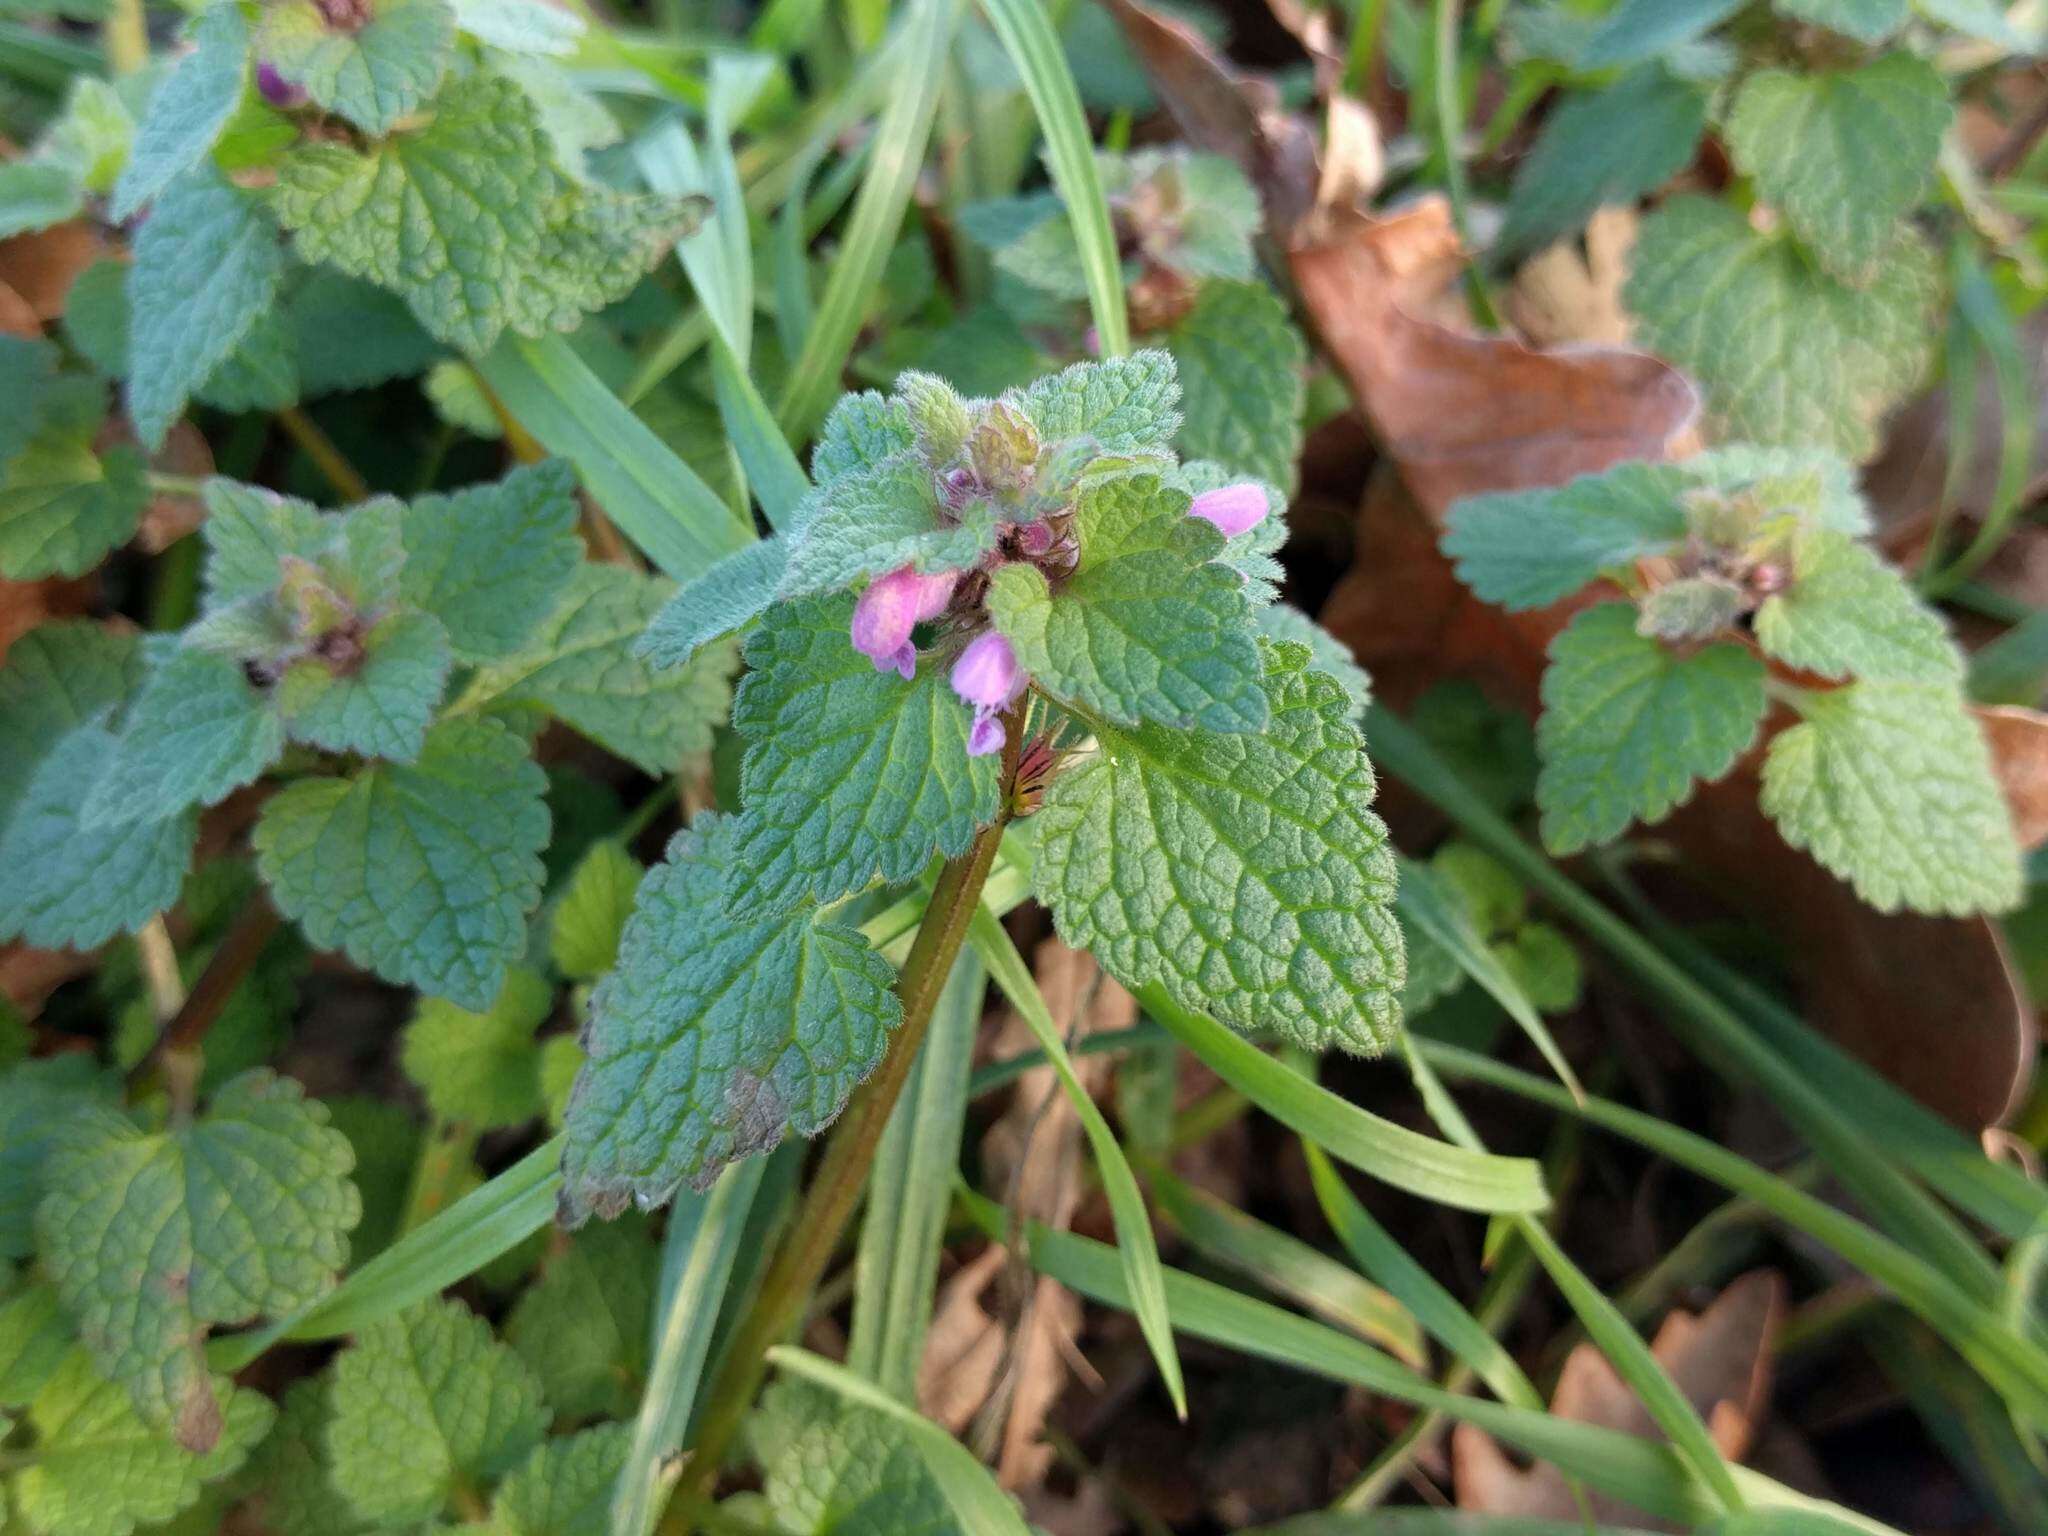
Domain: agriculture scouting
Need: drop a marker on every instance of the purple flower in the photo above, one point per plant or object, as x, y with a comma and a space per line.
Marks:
275, 89
988, 677
1232, 508
891, 608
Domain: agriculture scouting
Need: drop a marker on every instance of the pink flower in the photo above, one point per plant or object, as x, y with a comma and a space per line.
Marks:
1232, 508
275, 89
988, 677
891, 607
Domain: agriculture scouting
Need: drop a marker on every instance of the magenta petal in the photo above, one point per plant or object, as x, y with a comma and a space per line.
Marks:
885, 615
904, 661
987, 675
1232, 508
986, 736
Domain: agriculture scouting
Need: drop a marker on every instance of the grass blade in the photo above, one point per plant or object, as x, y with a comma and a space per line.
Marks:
704, 1232
894, 160
1706, 1024
1126, 1204
1393, 1154
1287, 1266
910, 1192
1027, 35
982, 1508
1641, 1472
1434, 1522
655, 498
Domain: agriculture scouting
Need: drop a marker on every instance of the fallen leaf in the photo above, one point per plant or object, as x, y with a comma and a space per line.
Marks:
2019, 754
1720, 1359
16, 317
41, 267
1563, 295
1463, 413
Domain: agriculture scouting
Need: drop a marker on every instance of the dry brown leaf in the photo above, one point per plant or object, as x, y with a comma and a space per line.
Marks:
41, 267
16, 317
2019, 753
1721, 1359
1564, 295
1462, 413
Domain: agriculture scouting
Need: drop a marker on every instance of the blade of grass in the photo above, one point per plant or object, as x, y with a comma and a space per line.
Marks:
1134, 1238
1624, 1348
1391, 1153
1434, 1522
910, 1192
702, 1242
1641, 1472
1034, 47
489, 1221
982, 1508
1374, 1251
2000, 1351
894, 160
992, 1075
1422, 903
1707, 1025
655, 498
1288, 1267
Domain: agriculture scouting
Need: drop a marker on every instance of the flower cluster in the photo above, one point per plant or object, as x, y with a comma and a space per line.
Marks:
986, 675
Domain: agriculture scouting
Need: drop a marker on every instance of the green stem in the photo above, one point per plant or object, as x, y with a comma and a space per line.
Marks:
843, 1171
328, 459
1450, 129
124, 36
174, 485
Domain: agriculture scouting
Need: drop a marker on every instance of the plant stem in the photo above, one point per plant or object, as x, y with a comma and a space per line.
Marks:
328, 459
1450, 128
843, 1171
186, 1029
124, 36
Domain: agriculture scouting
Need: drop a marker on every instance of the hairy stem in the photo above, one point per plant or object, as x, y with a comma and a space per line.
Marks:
186, 1029
843, 1171
332, 463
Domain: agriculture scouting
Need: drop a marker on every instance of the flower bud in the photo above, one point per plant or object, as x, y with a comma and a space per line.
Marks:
275, 89
1232, 508
988, 677
891, 607
1003, 448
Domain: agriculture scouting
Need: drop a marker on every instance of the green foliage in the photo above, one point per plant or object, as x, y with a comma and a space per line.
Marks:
64, 505
1240, 361
481, 1070
717, 1033
189, 110
490, 561
584, 936
565, 1487
1628, 725
833, 1468
1523, 549
374, 73
426, 1407
583, 1325
1847, 613
1244, 872
197, 730
150, 1239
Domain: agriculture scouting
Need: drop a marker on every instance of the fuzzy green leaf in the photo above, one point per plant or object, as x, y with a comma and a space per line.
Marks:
1786, 353
868, 521
1635, 30
73, 885
481, 1069
1327, 654
197, 730
1124, 405
851, 773
584, 1326
372, 74
188, 110
1150, 626
63, 506
249, 531
424, 1404
423, 873
728, 596
240, 1214
1889, 785
1240, 361
100, 1470
565, 1487
1628, 725
35, 1336
1247, 874
584, 937
1602, 148
207, 264
55, 677
38, 1099
1523, 549
378, 704
1849, 614
467, 218
834, 1468
1844, 154
861, 432
1868, 21
491, 561
716, 1035
581, 666
288, 1474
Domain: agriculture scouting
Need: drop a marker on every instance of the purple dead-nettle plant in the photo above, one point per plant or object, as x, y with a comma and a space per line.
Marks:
988, 610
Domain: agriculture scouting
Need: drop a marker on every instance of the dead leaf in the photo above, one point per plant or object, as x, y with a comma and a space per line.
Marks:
41, 267
1721, 1359
16, 317
1224, 112
2019, 753
28, 976
1563, 295
1462, 413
